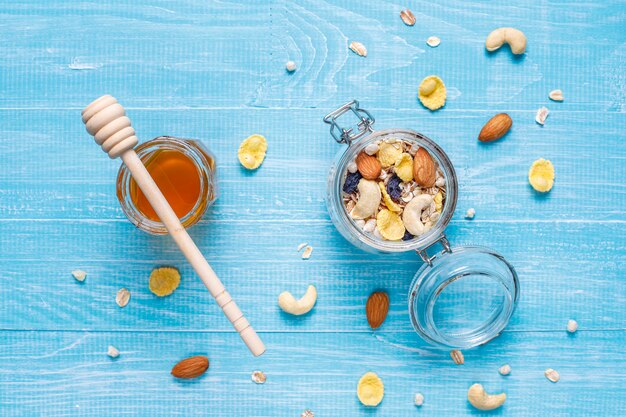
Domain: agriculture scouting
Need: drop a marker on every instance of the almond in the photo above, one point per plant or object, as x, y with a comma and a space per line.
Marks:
495, 128
424, 172
191, 367
368, 166
376, 308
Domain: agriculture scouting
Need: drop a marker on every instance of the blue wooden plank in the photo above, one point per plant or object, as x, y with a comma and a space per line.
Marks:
76, 180
198, 53
566, 271
68, 373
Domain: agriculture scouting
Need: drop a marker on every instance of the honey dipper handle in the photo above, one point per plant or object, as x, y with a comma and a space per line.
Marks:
191, 251
105, 119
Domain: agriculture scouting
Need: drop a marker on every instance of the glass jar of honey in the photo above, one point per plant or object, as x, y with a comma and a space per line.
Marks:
184, 171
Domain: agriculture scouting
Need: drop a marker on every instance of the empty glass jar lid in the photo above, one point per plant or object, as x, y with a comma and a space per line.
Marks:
464, 298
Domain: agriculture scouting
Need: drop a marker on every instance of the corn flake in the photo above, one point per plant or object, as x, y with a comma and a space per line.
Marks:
164, 280
541, 175
387, 199
438, 202
370, 389
404, 167
432, 92
390, 225
388, 154
252, 151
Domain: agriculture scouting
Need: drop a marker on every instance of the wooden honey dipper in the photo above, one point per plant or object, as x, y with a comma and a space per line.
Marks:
105, 119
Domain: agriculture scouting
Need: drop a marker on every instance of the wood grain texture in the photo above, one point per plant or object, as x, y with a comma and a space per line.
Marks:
214, 71
68, 373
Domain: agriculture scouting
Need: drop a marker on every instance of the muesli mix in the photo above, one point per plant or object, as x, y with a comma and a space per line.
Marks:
394, 190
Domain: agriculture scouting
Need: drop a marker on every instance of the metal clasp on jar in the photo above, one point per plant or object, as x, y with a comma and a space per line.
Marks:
342, 135
429, 259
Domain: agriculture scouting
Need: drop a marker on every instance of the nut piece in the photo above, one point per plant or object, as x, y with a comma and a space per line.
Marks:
495, 128
371, 149
477, 396
457, 356
368, 166
552, 375
572, 326
289, 304
123, 297
191, 367
370, 389
556, 95
419, 399
433, 41
427, 87
258, 377
113, 352
290, 66
505, 369
542, 115
164, 280
432, 92
470, 213
307, 252
79, 275
514, 37
358, 48
369, 199
407, 17
541, 175
377, 308
413, 213
424, 172
307, 413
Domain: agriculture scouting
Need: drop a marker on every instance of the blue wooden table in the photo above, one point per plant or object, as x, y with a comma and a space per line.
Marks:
214, 70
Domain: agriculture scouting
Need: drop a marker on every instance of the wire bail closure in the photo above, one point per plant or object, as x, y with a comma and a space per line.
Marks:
429, 259
364, 126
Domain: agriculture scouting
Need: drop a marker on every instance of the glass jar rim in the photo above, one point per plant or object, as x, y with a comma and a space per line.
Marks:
420, 242
191, 149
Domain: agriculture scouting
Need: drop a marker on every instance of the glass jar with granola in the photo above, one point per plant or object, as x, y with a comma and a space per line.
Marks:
395, 190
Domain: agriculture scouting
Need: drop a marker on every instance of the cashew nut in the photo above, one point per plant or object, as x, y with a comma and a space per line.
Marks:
290, 305
369, 199
515, 38
413, 213
478, 397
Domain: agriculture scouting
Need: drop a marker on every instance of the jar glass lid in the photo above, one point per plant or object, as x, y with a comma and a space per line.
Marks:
464, 298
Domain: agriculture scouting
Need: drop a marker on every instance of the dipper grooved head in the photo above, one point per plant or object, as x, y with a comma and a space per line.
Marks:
105, 119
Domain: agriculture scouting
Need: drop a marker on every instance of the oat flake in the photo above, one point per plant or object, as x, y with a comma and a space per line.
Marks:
541, 115
79, 275
307, 252
258, 377
307, 413
552, 375
433, 41
123, 297
113, 352
301, 246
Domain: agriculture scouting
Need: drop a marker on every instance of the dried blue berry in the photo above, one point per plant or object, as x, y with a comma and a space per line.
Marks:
407, 236
393, 188
352, 180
